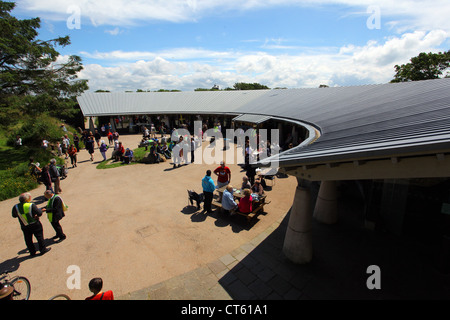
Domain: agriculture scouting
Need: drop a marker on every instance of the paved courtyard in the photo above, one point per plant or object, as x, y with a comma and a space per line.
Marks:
133, 227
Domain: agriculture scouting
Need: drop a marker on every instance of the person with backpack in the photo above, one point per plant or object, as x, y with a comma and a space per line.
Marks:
55, 175
55, 212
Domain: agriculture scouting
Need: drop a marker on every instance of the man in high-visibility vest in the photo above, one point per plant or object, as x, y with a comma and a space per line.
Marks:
28, 214
55, 212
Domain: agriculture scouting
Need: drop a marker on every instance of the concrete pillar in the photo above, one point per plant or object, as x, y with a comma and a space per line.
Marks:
326, 209
298, 240
131, 124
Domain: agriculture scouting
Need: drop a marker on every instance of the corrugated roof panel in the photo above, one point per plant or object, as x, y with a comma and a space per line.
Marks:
353, 121
252, 118
93, 104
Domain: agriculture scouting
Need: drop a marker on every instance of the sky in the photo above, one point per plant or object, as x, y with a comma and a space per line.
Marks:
189, 44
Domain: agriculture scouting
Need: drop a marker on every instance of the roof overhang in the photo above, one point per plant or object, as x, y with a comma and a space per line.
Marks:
252, 118
433, 165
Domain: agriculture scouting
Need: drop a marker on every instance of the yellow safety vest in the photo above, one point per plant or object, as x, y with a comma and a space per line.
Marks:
50, 206
25, 214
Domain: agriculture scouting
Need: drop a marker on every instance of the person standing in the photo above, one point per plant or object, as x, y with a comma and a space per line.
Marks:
46, 178
54, 174
208, 189
76, 141
193, 147
103, 148
55, 212
97, 137
65, 146
73, 155
223, 175
90, 146
28, 214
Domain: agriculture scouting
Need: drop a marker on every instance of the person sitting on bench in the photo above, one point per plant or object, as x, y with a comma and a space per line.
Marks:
257, 188
228, 203
245, 204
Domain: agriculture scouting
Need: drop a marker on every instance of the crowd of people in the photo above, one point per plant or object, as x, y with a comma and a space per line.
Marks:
226, 198
160, 149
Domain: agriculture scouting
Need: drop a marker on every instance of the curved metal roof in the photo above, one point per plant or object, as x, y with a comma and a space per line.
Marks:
358, 122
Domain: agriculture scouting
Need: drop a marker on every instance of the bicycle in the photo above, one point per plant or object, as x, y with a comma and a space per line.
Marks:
61, 296
21, 285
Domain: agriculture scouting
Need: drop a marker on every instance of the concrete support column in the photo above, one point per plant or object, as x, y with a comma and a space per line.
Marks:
298, 240
326, 209
131, 124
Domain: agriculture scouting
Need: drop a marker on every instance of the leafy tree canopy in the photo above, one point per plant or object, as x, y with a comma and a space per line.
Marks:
423, 67
33, 77
249, 86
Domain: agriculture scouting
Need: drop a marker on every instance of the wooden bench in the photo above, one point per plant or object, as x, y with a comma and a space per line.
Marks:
259, 208
248, 216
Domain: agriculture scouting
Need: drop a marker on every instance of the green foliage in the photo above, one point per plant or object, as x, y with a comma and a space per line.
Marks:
15, 175
423, 67
249, 86
33, 77
34, 130
12, 184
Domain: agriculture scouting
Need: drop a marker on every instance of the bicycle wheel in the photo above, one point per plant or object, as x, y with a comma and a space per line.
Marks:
60, 297
22, 288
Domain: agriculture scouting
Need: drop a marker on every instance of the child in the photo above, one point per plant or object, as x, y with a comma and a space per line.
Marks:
95, 286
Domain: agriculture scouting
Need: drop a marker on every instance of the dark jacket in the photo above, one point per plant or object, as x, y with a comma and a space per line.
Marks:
35, 212
56, 208
53, 170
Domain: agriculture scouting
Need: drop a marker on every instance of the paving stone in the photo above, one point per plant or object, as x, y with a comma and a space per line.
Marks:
248, 247
217, 266
266, 274
246, 276
239, 291
279, 284
292, 294
249, 262
227, 279
227, 259
260, 289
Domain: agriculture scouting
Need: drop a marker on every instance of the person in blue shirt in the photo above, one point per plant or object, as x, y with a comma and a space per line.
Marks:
228, 202
208, 189
127, 156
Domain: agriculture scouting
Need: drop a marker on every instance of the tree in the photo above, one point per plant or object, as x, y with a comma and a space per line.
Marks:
33, 77
423, 67
249, 86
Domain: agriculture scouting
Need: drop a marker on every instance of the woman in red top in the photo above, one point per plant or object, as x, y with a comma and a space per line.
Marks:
245, 204
95, 286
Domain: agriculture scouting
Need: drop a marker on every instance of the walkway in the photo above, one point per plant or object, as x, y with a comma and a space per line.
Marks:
132, 226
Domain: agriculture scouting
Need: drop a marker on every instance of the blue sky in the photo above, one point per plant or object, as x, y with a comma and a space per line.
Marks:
188, 44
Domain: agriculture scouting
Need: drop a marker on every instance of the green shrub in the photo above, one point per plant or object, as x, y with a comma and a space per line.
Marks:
12, 185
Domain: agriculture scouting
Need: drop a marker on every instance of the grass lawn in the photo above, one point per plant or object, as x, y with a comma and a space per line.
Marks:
14, 173
138, 154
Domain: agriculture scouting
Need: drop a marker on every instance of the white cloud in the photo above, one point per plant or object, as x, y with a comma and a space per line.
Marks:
114, 32
401, 14
186, 69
